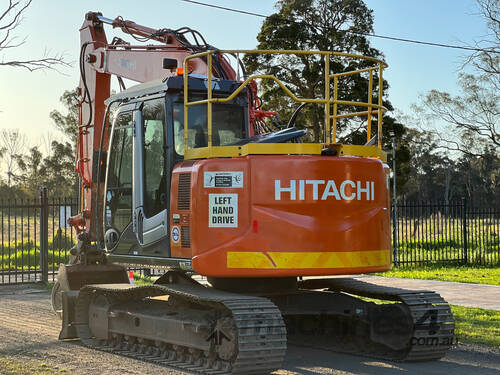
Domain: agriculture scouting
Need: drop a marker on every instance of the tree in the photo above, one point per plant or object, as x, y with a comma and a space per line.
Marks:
328, 25
432, 174
67, 123
487, 60
2, 152
59, 169
467, 124
480, 177
10, 18
61, 162
27, 172
13, 144
55, 171
472, 118
437, 175
31, 173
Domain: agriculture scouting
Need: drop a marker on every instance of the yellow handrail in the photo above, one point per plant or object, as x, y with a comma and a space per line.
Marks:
330, 129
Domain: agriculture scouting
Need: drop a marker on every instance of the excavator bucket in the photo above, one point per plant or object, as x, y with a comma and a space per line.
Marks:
71, 278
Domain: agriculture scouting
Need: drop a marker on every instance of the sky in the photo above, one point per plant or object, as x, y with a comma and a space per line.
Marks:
26, 99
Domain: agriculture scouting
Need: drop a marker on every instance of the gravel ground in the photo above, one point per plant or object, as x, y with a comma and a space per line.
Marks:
29, 330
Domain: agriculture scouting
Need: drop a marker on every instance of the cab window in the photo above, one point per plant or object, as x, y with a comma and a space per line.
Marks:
119, 181
153, 115
228, 125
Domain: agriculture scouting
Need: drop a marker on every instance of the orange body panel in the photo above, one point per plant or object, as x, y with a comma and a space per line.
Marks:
286, 216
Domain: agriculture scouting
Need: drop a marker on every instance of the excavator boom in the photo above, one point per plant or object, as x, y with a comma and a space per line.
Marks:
99, 61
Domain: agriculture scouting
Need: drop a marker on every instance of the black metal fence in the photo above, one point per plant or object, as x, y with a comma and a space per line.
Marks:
456, 232
35, 237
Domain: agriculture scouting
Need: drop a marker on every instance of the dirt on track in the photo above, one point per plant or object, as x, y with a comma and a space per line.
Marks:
29, 331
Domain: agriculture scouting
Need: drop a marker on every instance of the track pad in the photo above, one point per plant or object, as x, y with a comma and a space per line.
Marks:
391, 325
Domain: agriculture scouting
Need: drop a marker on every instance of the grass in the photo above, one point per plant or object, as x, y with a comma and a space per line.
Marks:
15, 367
29, 259
25, 255
476, 275
142, 280
439, 238
477, 326
476, 256
19, 227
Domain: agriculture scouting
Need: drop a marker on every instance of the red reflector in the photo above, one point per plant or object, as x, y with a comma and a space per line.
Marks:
255, 226
180, 71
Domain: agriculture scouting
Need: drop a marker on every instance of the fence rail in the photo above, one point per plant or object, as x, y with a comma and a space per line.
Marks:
455, 232
35, 238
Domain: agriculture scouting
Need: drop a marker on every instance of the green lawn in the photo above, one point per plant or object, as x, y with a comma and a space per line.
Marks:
477, 326
15, 367
476, 275
142, 280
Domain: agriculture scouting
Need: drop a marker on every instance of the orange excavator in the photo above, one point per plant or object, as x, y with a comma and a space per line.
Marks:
185, 172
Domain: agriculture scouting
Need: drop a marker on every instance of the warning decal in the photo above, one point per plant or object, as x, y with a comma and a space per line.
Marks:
223, 179
223, 210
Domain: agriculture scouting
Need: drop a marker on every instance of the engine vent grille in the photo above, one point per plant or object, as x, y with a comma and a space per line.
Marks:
184, 192
185, 237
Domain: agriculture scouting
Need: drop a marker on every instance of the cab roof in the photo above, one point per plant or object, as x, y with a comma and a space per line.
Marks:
196, 84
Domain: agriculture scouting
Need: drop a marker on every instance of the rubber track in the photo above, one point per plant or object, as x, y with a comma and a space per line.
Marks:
261, 332
418, 302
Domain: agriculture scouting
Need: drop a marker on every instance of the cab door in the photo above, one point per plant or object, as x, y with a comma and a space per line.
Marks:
119, 179
150, 182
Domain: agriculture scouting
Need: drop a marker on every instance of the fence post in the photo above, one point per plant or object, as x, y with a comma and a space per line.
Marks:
464, 229
394, 204
44, 235
395, 255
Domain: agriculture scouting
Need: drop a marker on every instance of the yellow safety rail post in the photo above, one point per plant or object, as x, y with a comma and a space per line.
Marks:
209, 101
370, 95
328, 137
335, 107
330, 125
380, 112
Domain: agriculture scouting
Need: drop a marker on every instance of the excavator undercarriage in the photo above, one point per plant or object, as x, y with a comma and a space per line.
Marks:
183, 323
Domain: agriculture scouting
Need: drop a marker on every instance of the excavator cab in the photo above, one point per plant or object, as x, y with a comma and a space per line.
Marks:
146, 140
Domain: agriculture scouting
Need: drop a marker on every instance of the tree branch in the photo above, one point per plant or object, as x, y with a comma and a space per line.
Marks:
50, 63
10, 19
17, 15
